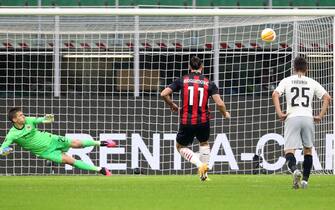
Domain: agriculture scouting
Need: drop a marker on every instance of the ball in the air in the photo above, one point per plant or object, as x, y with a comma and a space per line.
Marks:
268, 35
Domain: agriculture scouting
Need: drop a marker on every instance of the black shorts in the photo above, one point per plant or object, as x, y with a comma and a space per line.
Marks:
187, 133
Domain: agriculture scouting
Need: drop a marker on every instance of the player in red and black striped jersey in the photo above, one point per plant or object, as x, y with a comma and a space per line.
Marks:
194, 114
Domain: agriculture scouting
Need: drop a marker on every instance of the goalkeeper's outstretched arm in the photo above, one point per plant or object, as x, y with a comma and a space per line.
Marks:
48, 118
4, 148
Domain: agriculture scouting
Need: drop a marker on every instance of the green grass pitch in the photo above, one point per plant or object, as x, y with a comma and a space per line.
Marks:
245, 192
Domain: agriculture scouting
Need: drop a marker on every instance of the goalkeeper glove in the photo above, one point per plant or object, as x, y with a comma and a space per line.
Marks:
49, 118
5, 151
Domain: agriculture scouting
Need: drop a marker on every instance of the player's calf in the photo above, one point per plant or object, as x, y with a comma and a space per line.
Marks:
307, 166
204, 153
291, 161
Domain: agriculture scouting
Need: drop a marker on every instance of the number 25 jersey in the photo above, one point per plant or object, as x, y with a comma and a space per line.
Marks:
195, 90
299, 91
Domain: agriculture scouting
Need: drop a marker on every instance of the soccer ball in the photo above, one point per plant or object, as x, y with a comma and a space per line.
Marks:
268, 35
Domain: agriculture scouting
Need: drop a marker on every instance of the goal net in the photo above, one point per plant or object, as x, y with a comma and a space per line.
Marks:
101, 77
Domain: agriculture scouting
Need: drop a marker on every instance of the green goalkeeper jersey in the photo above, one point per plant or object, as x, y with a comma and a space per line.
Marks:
29, 137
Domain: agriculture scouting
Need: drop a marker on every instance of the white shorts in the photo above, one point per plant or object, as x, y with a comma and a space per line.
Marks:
299, 132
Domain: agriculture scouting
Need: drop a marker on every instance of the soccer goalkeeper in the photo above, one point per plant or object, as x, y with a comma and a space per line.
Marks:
46, 145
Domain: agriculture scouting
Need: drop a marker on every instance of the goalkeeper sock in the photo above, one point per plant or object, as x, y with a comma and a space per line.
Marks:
190, 156
204, 153
89, 143
307, 165
82, 165
291, 162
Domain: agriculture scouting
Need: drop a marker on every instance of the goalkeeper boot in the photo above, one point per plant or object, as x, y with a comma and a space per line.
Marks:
304, 184
203, 172
105, 171
111, 143
296, 179
108, 143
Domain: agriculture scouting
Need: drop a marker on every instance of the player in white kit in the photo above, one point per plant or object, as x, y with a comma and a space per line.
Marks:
299, 126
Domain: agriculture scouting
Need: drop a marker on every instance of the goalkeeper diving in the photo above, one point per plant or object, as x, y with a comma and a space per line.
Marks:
47, 145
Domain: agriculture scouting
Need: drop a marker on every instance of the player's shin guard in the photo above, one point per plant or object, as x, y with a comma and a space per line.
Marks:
307, 165
204, 153
190, 156
291, 162
89, 143
82, 165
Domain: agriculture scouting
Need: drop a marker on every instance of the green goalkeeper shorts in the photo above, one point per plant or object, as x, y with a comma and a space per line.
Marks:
58, 145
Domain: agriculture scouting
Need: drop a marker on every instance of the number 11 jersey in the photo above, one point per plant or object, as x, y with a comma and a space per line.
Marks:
299, 92
195, 91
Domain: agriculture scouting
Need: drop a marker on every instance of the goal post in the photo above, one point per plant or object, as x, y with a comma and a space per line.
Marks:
101, 70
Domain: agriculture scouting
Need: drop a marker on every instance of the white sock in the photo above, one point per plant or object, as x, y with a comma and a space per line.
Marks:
204, 154
190, 156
